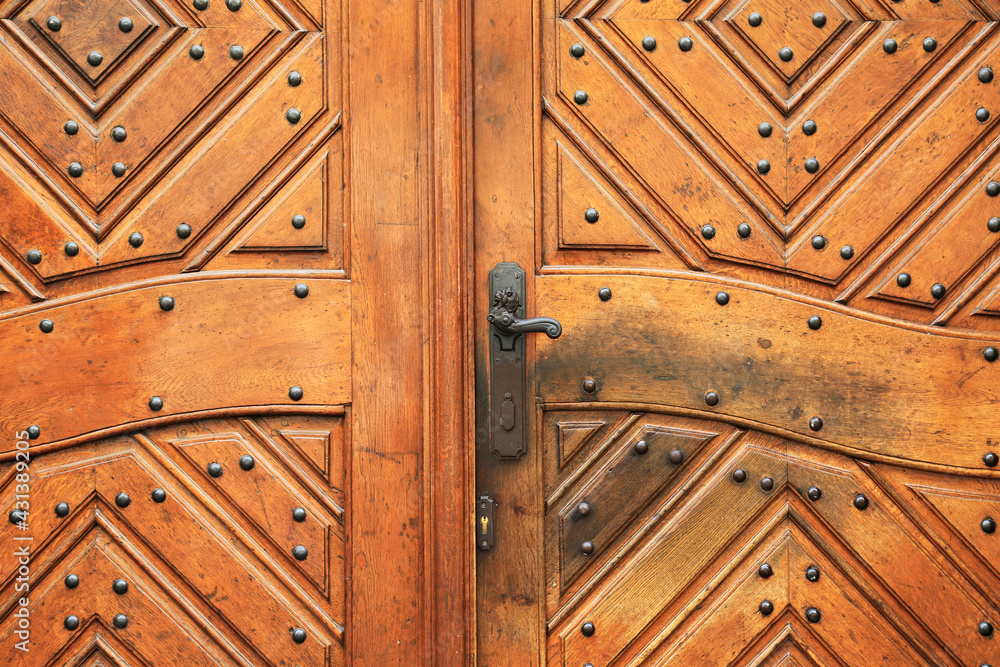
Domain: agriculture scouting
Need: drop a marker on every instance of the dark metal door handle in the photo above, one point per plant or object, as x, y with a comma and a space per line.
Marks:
504, 317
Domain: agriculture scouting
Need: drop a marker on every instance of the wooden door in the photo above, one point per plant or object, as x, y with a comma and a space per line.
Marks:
215, 315
767, 434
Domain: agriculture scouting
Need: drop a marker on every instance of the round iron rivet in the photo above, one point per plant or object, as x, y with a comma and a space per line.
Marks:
677, 457
34, 257
649, 43
591, 215
815, 493
94, 58
300, 552
641, 447
847, 252
930, 44
16, 516
53, 23
587, 548
583, 509
159, 495
816, 423
75, 169
786, 54
301, 290
938, 290
815, 322
812, 165
62, 509
818, 242
765, 129
589, 385
712, 398
991, 354
587, 629
993, 224
685, 43
298, 635
580, 97
125, 24
993, 188
743, 230
812, 573
214, 469
722, 298
246, 462
295, 393
120, 621
766, 607
809, 127
982, 114
577, 50
767, 483
739, 475
604, 293
294, 79
298, 221
135, 239
46, 326
299, 514
903, 280
991, 459
812, 615
889, 46
234, 5
708, 232
183, 231
197, 51
72, 581
988, 525
156, 404
755, 19
120, 586
861, 501
201, 5
34, 432
819, 19
166, 303
71, 623
293, 116
71, 127
763, 166
985, 629
122, 500
236, 52
118, 169
765, 571
986, 75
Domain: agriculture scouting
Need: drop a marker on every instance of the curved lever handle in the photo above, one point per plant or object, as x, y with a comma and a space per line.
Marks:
503, 316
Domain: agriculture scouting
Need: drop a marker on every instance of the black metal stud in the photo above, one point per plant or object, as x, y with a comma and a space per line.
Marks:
53, 23
135, 239
847, 252
649, 43
298, 635
786, 54
298, 221
119, 134
982, 114
214, 469
604, 293
71, 622
755, 19
122, 500
813, 615
236, 52
293, 116
183, 230
812, 573
587, 629
767, 483
577, 50
120, 586
766, 607
300, 552
739, 475
765, 129
71, 581
993, 224
201, 5
722, 298
809, 127
120, 621
46, 326
815, 493
34, 257
889, 46
16, 516
197, 51
299, 514
986, 75
583, 508
34, 432
581, 97
75, 169
591, 215
991, 459
294, 79
993, 188
685, 43
295, 393
301, 290
590, 385
587, 548
641, 447
938, 290
816, 423
861, 501
246, 462
676, 457
71, 127
765, 571
234, 5
815, 322
712, 398
125, 24
743, 230
763, 166
930, 44
94, 58
985, 629
819, 19
118, 169
156, 404
62, 509
708, 232
903, 280
812, 165
818, 242
159, 495
166, 303
988, 525
991, 354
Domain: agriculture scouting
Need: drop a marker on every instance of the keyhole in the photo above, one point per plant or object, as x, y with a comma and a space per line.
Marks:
484, 521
